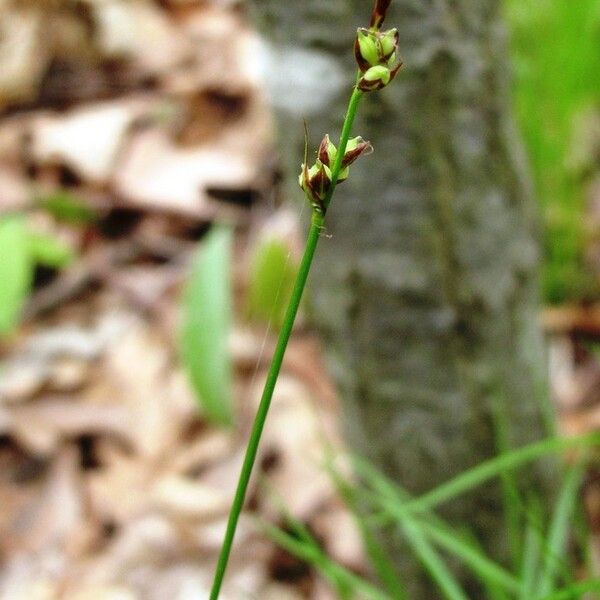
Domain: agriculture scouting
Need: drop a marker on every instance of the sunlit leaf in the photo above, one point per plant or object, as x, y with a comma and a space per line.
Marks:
49, 251
272, 275
67, 207
206, 327
15, 270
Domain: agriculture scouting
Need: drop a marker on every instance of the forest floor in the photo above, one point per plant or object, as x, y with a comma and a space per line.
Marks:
113, 486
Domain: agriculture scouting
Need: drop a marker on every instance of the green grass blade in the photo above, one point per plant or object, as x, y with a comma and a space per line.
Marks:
493, 590
492, 468
379, 482
433, 527
430, 559
559, 528
378, 557
496, 593
333, 572
206, 327
302, 534
380, 561
485, 569
509, 485
419, 543
297, 527
530, 562
575, 591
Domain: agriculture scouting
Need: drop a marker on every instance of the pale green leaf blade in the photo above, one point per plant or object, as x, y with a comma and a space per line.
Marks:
65, 206
430, 559
559, 528
484, 568
531, 556
271, 280
206, 326
492, 468
49, 251
393, 499
15, 270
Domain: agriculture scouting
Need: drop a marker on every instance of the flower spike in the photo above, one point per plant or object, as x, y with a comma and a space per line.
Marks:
316, 180
376, 78
376, 53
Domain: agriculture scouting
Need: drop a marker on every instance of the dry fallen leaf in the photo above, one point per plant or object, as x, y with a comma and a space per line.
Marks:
102, 592
157, 175
87, 140
140, 32
184, 498
112, 486
22, 55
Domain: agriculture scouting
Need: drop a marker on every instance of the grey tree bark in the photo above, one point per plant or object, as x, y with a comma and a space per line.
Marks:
426, 295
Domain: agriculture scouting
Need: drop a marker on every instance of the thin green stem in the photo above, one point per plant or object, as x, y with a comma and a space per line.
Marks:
344, 137
277, 360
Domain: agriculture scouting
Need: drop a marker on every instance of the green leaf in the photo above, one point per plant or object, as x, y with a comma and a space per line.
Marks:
487, 570
393, 499
311, 552
271, 281
16, 270
378, 556
559, 528
300, 542
206, 327
531, 554
49, 251
511, 501
575, 591
64, 206
428, 556
492, 468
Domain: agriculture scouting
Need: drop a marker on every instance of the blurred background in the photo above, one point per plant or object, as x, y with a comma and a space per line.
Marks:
150, 232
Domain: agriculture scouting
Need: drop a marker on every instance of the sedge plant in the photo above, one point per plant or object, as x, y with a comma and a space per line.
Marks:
543, 570
376, 52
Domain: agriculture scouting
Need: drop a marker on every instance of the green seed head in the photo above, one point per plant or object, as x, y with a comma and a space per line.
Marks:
377, 78
376, 49
368, 47
389, 41
378, 73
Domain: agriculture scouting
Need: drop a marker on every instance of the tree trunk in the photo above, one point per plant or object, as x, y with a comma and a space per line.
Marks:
426, 294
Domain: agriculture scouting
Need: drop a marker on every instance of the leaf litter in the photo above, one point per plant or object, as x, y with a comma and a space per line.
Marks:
147, 120
144, 122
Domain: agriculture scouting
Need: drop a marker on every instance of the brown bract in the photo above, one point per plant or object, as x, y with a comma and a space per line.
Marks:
323, 152
350, 156
366, 84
